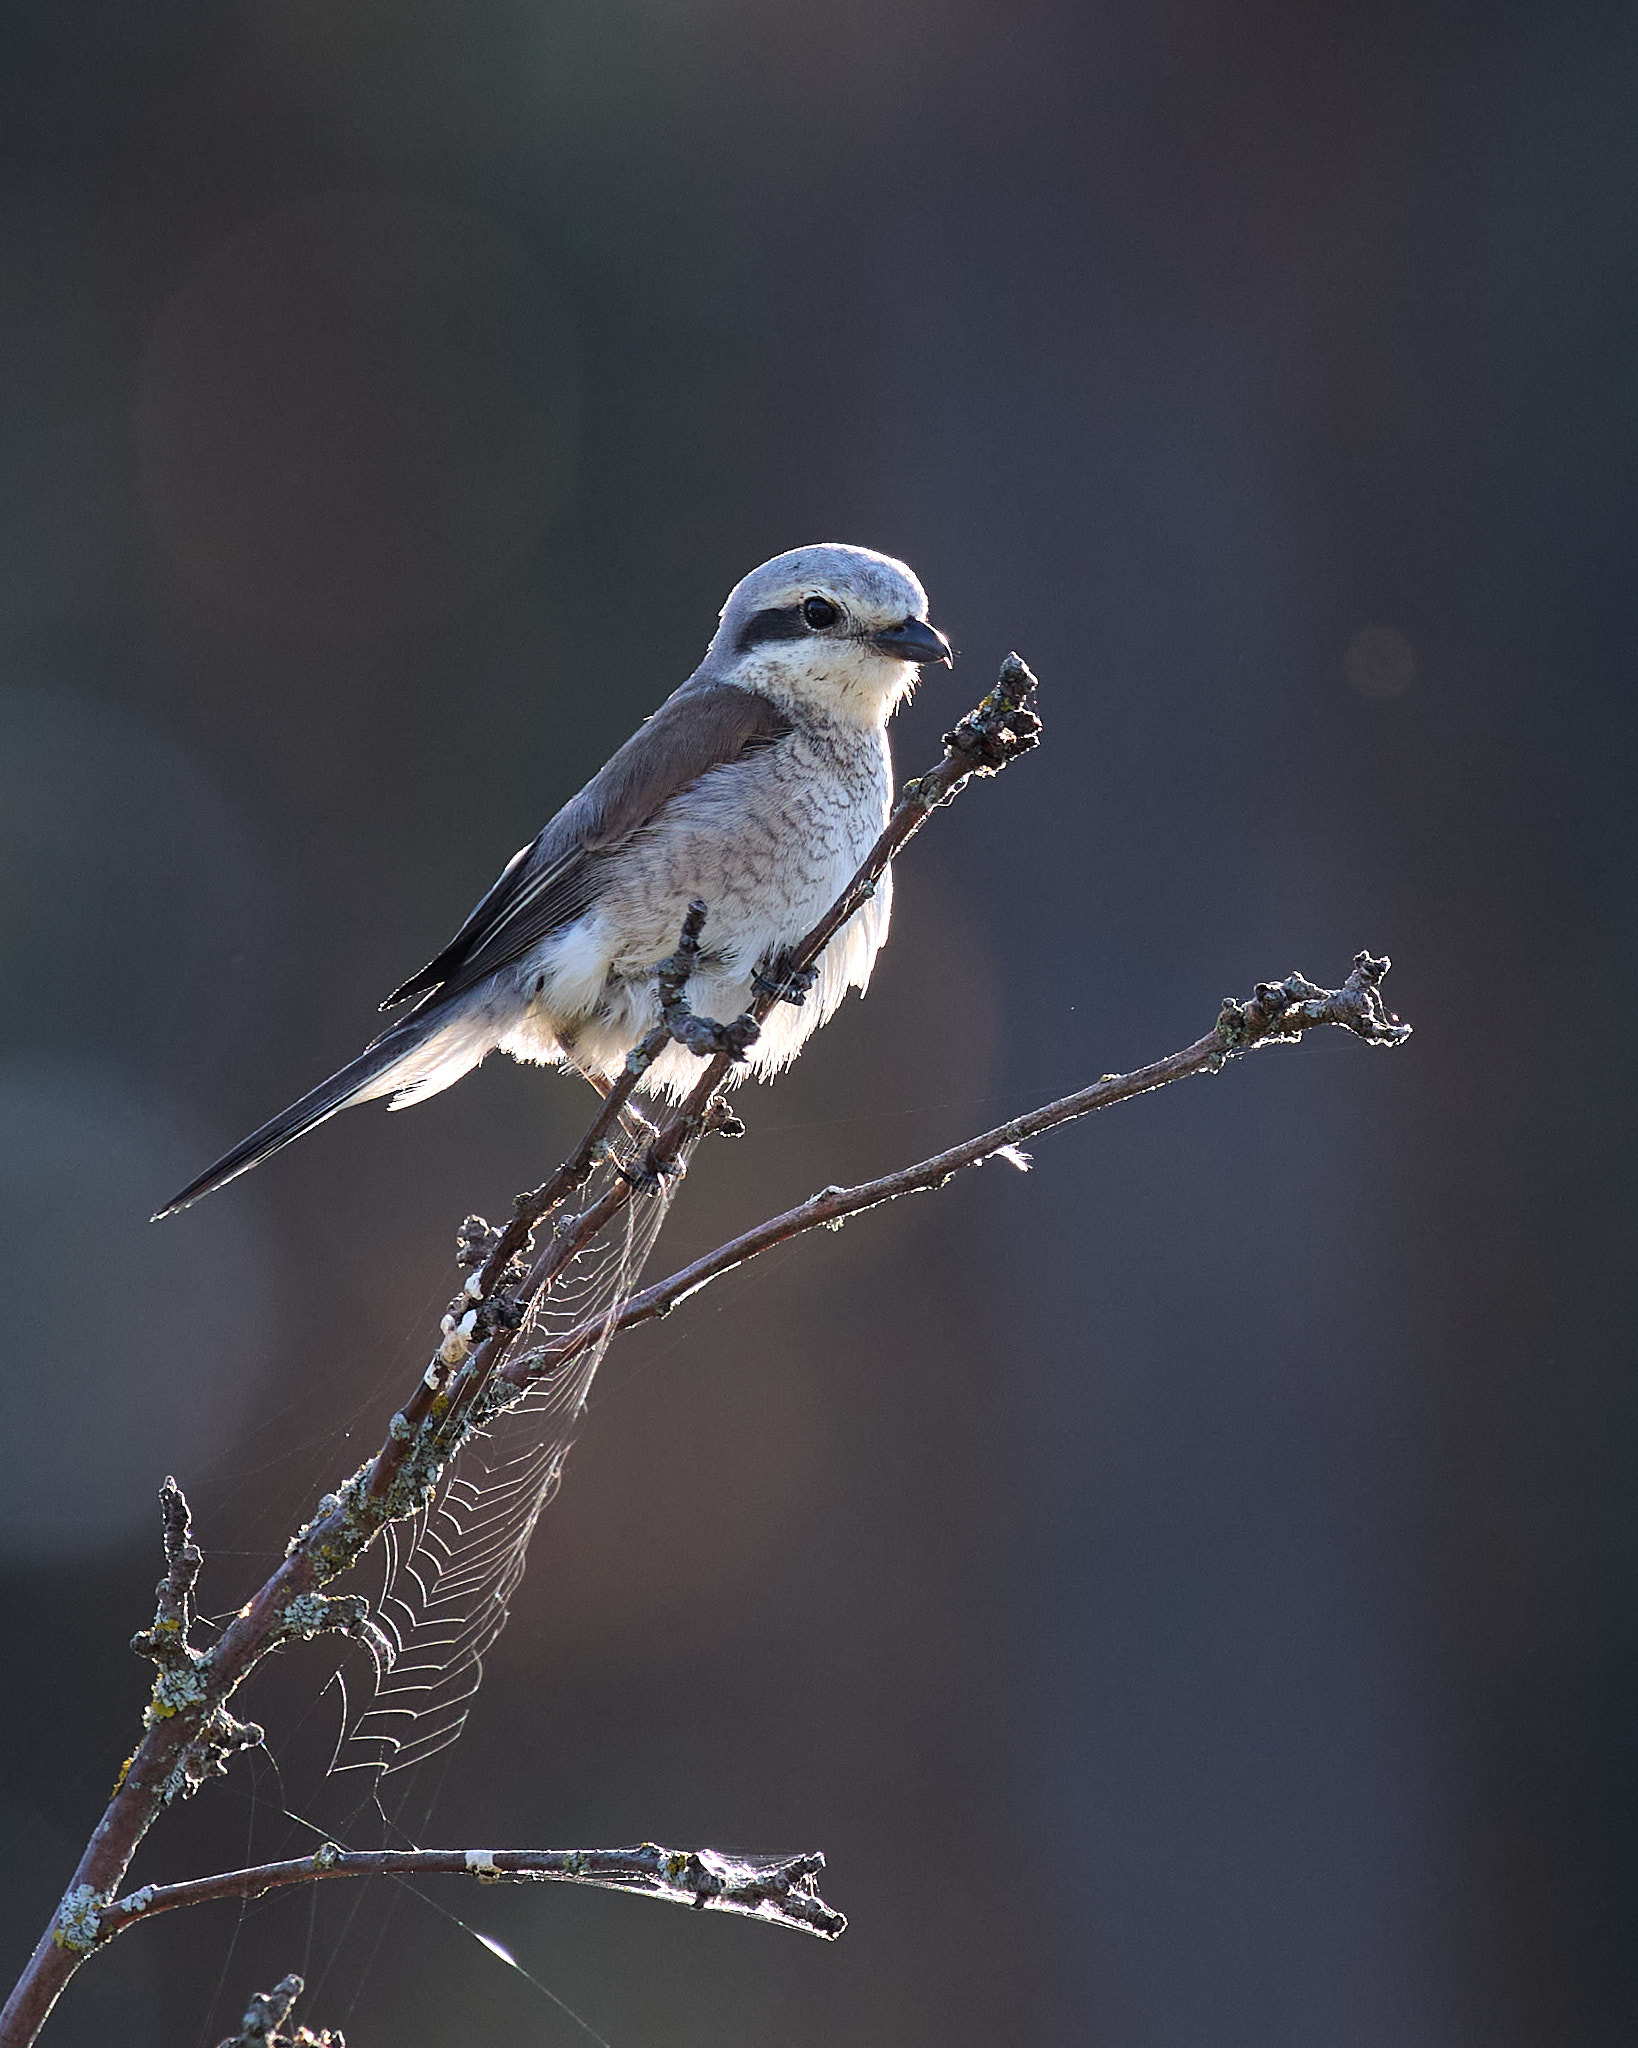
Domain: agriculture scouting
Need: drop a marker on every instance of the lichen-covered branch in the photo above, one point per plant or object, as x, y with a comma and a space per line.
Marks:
478, 1368
180, 1685
189, 1732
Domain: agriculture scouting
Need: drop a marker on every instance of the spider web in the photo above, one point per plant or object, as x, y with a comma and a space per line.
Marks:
451, 1570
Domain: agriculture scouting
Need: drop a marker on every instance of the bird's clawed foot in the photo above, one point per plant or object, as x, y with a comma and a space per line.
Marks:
705, 1036
784, 982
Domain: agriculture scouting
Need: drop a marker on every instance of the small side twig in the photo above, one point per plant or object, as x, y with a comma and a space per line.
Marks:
266, 2015
181, 1685
167, 1640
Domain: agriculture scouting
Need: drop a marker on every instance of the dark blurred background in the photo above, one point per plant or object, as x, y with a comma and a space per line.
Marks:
1191, 1594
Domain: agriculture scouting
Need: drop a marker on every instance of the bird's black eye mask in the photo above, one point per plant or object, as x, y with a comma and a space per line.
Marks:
787, 622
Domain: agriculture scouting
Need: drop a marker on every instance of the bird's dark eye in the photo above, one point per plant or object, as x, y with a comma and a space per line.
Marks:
820, 613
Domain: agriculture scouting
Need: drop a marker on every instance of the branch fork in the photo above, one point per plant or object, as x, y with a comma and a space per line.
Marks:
189, 1732
1281, 1011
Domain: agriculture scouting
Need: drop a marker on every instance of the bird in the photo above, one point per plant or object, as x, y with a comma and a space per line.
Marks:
757, 788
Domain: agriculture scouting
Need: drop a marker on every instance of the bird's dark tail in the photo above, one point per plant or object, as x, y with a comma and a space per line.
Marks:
414, 1055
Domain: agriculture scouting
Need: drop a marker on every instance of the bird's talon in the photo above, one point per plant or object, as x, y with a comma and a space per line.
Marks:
785, 983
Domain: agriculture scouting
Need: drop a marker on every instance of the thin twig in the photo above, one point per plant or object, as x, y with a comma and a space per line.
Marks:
1278, 1014
167, 1639
783, 1889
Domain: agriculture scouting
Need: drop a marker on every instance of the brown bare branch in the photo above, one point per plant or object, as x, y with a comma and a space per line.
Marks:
189, 1731
1277, 1014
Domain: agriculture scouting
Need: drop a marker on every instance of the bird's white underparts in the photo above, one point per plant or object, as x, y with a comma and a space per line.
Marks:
757, 787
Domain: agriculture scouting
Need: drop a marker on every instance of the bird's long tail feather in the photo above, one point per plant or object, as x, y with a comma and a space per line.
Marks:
423, 1054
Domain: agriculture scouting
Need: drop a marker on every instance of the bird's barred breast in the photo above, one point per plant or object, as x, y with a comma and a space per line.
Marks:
768, 844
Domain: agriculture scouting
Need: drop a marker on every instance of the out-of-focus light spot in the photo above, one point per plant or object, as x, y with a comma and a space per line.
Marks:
133, 1349
356, 412
1380, 662
580, 88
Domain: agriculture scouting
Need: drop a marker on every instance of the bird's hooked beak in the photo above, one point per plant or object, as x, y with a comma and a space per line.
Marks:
913, 640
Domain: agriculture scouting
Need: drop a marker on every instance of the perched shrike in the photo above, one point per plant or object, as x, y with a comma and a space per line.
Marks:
758, 786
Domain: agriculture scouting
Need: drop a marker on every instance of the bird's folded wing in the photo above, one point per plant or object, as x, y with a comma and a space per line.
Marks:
548, 885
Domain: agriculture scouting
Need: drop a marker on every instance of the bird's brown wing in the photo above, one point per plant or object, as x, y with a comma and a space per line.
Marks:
549, 884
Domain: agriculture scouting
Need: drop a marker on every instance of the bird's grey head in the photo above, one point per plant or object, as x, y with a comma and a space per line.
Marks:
841, 629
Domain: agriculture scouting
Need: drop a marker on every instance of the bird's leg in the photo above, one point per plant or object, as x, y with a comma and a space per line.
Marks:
776, 977
702, 1036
